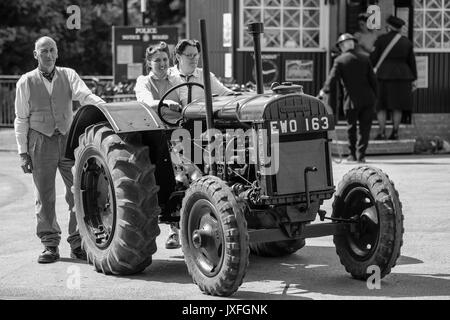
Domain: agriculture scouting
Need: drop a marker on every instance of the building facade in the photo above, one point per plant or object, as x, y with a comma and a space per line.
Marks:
299, 40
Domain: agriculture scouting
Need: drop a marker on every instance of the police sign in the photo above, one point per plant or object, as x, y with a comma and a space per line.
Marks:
129, 44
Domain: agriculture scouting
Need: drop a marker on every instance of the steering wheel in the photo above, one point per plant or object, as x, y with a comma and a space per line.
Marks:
162, 104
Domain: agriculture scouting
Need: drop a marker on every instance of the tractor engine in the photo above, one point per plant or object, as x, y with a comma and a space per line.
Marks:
277, 153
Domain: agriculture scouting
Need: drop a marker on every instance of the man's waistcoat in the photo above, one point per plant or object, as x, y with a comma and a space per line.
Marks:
50, 112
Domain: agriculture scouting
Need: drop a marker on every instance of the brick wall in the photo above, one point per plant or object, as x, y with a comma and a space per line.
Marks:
437, 124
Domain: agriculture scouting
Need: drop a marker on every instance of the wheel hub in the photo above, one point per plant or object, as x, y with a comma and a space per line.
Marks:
201, 238
363, 239
98, 198
206, 237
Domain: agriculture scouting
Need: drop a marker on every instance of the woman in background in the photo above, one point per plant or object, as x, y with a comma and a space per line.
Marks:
365, 37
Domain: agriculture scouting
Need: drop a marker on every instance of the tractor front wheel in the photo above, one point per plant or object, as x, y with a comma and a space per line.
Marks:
214, 236
369, 198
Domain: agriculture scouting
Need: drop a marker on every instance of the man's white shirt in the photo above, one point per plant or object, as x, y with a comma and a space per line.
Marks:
80, 92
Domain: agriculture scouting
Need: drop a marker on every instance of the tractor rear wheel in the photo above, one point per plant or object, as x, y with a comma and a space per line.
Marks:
366, 195
115, 200
214, 236
278, 248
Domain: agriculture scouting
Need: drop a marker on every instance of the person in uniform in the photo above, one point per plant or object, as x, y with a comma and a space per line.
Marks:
43, 109
395, 76
355, 72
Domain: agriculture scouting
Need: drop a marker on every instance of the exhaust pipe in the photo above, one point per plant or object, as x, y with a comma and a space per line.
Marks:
207, 89
255, 29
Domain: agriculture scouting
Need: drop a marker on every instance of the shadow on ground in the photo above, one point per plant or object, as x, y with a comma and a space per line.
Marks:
409, 163
312, 270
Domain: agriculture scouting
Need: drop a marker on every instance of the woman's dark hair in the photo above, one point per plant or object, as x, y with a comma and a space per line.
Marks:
363, 16
152, 49
362, 20
182, 44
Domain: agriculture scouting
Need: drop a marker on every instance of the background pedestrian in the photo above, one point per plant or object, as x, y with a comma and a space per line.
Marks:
355, 72
396, 71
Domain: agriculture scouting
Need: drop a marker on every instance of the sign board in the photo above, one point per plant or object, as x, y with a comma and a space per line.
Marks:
422, 71
129, 44
228, 65
299, 70
227, 29
270, 68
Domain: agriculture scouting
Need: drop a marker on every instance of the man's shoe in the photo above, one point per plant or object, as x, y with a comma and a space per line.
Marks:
78, 253
173, 241
351, 158
380, 136
49, 255
362, 160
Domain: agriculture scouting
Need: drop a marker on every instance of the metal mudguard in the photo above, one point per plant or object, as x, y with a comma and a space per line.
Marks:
123, 117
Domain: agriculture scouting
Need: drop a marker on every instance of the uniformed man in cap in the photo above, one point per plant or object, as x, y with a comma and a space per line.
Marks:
355, 72
395, 73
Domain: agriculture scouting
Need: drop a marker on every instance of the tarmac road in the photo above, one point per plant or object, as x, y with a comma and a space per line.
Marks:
314, 272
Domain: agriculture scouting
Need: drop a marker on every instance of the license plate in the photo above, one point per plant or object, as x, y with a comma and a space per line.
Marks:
302, 125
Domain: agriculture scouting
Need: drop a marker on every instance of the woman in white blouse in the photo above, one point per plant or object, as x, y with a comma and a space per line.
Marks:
187, 55
150, 89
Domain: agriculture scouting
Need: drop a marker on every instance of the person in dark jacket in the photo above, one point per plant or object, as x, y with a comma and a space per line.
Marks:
395, 75
355, 72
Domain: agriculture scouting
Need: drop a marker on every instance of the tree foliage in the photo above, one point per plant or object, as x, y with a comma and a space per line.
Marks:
87, 50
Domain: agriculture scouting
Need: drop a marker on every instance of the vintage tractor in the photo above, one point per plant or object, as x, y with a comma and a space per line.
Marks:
134, 168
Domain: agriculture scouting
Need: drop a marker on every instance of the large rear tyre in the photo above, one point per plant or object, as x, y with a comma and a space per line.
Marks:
115, 200
366, 195
277, 248
214, 236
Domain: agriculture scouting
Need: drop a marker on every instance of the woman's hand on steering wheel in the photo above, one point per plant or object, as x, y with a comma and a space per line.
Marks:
172, 104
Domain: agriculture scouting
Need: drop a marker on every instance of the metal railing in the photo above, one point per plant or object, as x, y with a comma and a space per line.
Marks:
8, 95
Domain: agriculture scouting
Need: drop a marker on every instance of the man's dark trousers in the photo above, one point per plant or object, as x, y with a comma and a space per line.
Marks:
363, 115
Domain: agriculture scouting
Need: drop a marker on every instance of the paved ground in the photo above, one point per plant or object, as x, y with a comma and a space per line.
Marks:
312, 273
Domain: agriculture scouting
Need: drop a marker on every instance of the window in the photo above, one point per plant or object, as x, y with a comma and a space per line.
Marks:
288, 24
432, 24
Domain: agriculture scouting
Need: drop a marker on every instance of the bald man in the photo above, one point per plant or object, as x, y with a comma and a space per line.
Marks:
44, 114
